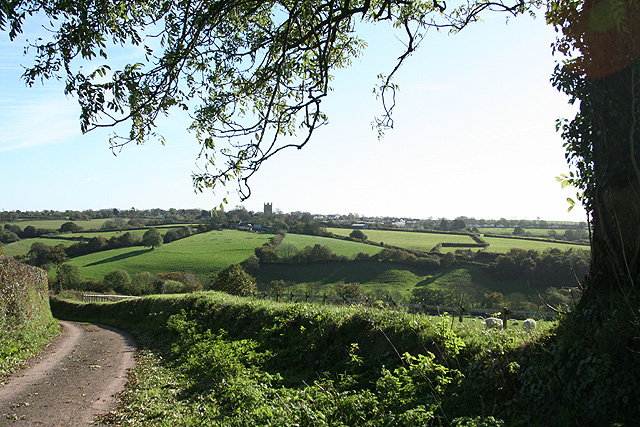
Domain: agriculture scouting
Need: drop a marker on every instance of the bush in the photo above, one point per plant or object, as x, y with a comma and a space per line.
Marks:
69, 277
350, 290
143, 283
118, 281
251, 265
358, 235
174, 287
235, 281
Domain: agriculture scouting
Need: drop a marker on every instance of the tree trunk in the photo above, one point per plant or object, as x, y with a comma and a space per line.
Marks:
610, 45
612, 285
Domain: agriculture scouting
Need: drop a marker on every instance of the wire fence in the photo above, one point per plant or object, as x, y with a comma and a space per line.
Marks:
412, 307
391, 304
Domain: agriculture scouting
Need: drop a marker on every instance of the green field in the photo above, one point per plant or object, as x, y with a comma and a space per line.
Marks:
427, 241
394, 278
21, 247
535, 232
409, 240
202, 254
340, 247
503, 245
54, 224
315, 278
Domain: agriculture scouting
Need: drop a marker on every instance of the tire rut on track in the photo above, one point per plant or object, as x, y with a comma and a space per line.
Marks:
71, 381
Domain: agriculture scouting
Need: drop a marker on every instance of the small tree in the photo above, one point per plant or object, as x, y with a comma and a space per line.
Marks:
118, 281
152, 238
69, 277
358, 234
70, 227
234, 280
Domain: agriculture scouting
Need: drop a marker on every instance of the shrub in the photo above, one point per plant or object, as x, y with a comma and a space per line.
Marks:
69, 277
251, 265
358, 235
174, 287
118, 281
349, 290
235, 281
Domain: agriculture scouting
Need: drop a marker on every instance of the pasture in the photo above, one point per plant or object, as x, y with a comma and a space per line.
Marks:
508, 231
54, 224
409, 240
22, 247
503, 245
316, 278
202, 254
427, 241
337, 246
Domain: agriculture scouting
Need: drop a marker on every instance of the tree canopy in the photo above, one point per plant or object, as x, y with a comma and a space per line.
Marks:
252, 74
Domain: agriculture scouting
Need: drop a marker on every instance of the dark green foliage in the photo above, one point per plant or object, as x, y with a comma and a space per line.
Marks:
152, 238
8, 236
267, 253
251, 265
26, 323
549, 268
41, 255
358, 235
349, 290
68, 277
234, 280
399, 256
70, 227
118, 281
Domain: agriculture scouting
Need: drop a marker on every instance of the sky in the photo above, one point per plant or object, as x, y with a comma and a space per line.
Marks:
474, 136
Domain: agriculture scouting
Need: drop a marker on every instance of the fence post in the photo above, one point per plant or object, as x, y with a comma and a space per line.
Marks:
505, 314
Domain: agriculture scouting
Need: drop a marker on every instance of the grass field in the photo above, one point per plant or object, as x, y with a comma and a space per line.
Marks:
410, 240
503, 245
535, 232
202, 254
21, 247
341, 247
426, 241
318, 278
54, 224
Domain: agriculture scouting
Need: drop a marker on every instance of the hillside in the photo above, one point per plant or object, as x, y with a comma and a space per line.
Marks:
203, 254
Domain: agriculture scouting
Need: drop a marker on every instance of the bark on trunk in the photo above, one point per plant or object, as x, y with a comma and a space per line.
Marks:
613, 280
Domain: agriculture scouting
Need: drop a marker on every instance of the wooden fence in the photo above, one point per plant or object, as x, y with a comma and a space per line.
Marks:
106, 298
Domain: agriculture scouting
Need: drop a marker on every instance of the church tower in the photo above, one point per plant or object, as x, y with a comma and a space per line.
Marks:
268, 208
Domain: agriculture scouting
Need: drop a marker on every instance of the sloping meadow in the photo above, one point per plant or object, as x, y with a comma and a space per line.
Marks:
213, 359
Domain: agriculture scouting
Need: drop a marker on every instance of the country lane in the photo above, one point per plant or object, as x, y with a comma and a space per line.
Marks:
71, 381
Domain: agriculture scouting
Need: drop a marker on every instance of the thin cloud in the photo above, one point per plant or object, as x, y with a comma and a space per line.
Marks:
31, 123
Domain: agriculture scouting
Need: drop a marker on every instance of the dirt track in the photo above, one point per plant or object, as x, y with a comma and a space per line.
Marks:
71, 381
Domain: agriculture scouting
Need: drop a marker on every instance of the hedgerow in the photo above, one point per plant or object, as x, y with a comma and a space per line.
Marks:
239, 361
26, 323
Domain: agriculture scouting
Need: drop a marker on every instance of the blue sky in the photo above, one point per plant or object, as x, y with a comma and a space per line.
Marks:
474, 136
